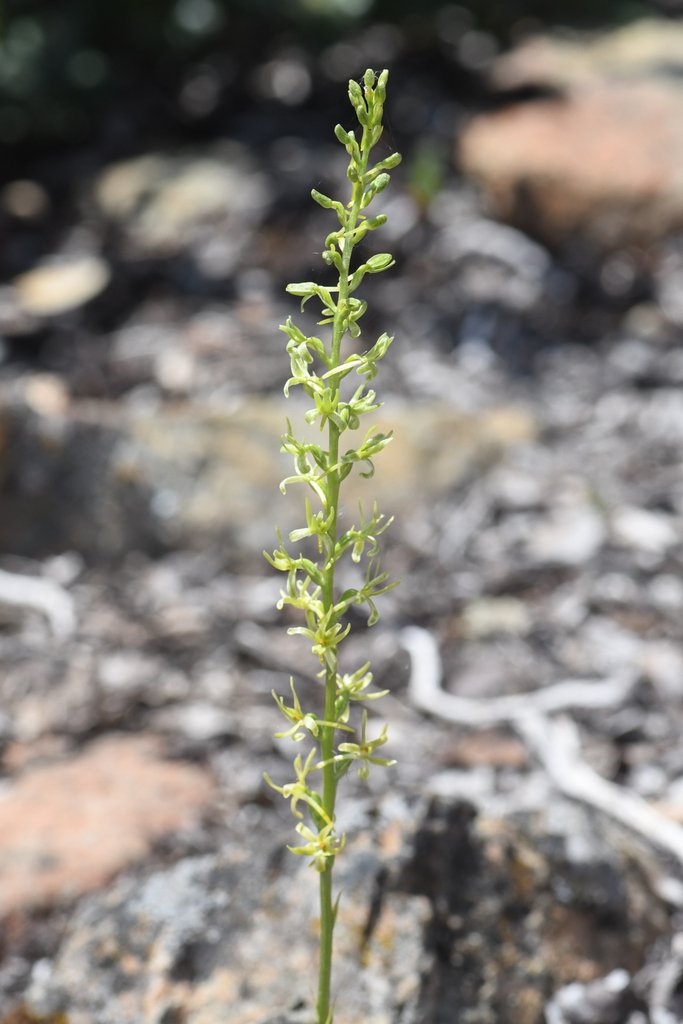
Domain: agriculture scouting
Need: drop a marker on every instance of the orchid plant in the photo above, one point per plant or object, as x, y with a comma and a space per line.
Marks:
325, 370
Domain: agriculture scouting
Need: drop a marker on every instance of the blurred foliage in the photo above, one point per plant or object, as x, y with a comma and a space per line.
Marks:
66, 68
426, 171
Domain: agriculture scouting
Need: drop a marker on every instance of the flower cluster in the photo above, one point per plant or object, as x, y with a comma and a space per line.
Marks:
335, 375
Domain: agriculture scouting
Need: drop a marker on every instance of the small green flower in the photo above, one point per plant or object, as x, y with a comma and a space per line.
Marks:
324, 637
353, 687
362, 753
299, 790
302, 720
322, 846
317, 525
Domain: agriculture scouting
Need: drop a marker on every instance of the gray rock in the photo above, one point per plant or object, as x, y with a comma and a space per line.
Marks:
644, 530
197, 722
441, 913
490, 616
184, 476
229, 936
570, 536
61, 285
662, 665
165, 202
635, 50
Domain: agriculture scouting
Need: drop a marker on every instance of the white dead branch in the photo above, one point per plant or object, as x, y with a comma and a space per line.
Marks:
553, 741
424, 689
556, 744
40, 595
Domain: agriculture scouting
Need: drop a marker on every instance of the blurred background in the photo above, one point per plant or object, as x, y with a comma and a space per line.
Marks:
156, 162
156, 168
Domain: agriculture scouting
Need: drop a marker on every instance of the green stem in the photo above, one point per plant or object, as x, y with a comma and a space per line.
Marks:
326, 939
327, 911
327, 752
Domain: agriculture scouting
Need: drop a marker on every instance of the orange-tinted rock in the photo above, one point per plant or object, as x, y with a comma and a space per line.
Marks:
606, 160
68, 828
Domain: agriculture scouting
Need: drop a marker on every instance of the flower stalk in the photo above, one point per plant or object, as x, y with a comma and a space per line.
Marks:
328, 374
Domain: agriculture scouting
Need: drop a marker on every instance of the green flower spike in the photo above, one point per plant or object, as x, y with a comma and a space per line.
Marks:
328, 370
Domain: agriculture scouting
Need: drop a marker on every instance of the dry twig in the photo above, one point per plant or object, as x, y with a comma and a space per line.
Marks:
40, 595
554, 742
572, 694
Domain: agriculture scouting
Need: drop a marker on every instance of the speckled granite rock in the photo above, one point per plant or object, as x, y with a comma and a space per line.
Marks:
232, 936
444, 916
182, 476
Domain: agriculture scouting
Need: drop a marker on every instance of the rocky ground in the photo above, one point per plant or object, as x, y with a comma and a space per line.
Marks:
508, 868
